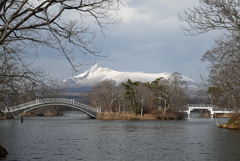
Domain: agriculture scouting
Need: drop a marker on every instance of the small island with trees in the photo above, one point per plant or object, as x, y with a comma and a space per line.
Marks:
164, 98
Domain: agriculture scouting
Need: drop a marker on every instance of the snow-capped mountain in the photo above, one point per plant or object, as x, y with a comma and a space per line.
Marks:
98, 74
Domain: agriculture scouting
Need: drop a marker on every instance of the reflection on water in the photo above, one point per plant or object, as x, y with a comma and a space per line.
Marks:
74, 137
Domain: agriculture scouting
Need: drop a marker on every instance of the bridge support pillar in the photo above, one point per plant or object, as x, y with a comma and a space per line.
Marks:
99, 110
37, 101
212, 113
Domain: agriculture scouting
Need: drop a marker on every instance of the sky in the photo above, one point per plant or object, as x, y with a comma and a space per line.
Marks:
147, 39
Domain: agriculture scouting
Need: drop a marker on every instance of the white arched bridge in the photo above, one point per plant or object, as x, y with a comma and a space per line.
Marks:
212, 108
21, 108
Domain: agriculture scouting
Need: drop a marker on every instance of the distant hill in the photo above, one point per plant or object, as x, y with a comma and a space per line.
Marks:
97, 74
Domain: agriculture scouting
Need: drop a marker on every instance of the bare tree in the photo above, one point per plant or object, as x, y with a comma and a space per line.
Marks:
170, 92
224, 72
143, 97
224, 58
224, 75
212, 15
27, 25
53, 90
178, 89
105, 95
120, 100
16, 81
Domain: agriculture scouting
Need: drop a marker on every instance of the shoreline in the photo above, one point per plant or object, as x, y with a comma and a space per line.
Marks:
231, 125
133, 116
45, 114
29, 115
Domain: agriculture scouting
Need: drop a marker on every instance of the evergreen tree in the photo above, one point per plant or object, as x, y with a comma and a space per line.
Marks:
130, 93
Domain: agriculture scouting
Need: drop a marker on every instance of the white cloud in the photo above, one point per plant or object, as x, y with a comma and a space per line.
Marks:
148, 38
147, 15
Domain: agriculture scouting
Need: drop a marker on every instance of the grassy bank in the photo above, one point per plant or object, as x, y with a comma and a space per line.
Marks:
132, 116
233, 123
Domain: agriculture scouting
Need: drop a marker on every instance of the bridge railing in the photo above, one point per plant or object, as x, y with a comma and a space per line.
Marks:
214, 107
21, 106
200, 105
69, 101
53, 100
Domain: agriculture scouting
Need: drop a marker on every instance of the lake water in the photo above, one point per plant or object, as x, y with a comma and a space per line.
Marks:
74, 137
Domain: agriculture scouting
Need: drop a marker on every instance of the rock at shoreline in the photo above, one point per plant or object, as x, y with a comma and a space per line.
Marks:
3, 151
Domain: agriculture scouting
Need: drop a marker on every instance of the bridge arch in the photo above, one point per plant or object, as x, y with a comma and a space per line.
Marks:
56, 104
18, 109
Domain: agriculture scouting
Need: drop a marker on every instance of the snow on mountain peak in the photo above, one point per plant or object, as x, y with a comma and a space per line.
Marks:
93, 68
97, 74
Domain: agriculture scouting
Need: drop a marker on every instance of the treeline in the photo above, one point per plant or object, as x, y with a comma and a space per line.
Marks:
163, 94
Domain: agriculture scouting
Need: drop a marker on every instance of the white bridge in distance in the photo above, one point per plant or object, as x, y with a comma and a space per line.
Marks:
22, 108
212, 108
